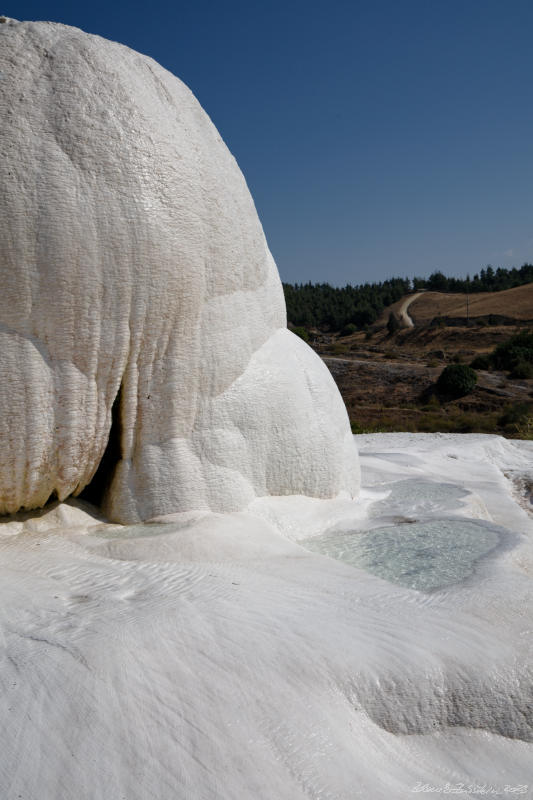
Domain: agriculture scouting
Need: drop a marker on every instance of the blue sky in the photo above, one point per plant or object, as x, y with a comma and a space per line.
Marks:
377, 138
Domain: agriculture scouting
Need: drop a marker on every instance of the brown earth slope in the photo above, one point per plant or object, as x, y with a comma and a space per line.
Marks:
516, 303
388, 382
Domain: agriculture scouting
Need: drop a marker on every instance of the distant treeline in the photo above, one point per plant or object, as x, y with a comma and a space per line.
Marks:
319, 305
488, 280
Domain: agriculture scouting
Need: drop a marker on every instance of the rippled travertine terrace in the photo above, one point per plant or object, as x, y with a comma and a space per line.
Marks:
214, 657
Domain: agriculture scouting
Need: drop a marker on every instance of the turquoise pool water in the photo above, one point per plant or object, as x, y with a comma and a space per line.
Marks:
420, 555
419, 498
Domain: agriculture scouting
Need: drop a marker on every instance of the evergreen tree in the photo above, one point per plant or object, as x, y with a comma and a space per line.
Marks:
327, 307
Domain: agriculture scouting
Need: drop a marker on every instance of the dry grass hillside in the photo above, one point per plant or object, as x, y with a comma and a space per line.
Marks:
516, 303
388, 381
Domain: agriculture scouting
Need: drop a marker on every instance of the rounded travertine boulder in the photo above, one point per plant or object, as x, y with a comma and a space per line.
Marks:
135, 274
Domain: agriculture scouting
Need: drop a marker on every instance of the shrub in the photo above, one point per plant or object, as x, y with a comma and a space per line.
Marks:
456, 380
518, 349
393, 324
349, 329
524, 429
522, 369
481, 362
370, 428
514, 415
340, 349
432, 403
302, 333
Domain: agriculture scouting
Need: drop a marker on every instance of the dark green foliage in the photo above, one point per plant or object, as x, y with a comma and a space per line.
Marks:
488, 280
371, 428
349, 329
327, 307
330, 308
438, 282
522, 370
393, 323
518, 350
481, 362
301, 332
514, 356
456, 380
514, 415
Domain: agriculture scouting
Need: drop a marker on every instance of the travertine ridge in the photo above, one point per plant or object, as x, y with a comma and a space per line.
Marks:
133, 261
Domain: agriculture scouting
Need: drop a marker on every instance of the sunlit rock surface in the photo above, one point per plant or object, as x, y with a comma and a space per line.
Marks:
216, 656
135, 271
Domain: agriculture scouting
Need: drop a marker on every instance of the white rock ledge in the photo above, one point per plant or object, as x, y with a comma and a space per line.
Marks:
214, 657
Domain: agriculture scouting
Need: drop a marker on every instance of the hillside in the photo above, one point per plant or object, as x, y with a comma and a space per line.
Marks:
516, 303
387, 381
349, 308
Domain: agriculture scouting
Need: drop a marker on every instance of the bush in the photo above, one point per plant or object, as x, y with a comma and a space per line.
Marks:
349, 329
393, 324
432, 402
340, 349
302, 333
524, 429
456, 380
522, 369
514, 415
518, 349
481, 362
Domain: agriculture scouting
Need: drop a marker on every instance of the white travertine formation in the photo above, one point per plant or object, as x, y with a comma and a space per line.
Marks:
213, 657
132, 259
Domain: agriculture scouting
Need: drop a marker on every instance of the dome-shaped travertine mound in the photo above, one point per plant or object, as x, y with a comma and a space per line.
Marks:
134, 267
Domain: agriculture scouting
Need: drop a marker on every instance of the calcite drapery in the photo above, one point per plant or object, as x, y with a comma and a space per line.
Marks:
132, 259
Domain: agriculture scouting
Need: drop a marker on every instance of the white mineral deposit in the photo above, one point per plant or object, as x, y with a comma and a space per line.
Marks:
135, 272
253, 632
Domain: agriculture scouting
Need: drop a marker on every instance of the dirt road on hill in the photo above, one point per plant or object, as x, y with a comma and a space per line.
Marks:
402, 311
